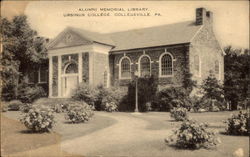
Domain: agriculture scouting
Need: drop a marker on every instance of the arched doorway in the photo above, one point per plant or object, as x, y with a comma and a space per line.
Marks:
69, 79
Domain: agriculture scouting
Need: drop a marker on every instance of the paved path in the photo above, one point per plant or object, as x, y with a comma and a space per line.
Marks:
122, 138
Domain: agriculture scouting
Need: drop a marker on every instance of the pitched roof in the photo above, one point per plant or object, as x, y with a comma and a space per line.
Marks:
176, 33
93, 36
170, 34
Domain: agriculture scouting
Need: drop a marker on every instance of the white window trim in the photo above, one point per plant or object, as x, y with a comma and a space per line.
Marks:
199, 72
120, 72
139, 62
39, 78
166, 53
66, 66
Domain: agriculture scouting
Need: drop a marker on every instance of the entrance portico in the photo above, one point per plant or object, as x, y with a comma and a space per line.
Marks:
73, 60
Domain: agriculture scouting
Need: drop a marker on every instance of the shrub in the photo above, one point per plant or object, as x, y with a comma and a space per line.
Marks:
79, 112
30, 94
85, 93
171, 97
15, 105
237, 124
193, 135
58, 108
179, 113
4, 107
38, 119
26, 107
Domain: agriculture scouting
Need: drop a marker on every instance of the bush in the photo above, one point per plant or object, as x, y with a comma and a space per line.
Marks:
79, 112
171, 97
179, 113
39, 119
30, 94
112, 99
85, 93
193, 135
237, 124
26, 107
15, 105
58, 108
4, 107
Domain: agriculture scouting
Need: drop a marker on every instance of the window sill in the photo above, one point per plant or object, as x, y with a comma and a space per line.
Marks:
125, 78
166, 76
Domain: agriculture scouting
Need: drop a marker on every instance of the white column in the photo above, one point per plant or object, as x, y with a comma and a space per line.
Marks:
80, 67
59, 75
50, 75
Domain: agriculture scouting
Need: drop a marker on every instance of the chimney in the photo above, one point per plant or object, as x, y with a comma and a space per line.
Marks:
203, 16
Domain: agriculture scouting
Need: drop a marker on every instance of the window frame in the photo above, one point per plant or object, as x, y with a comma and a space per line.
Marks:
139, 64
197, 74
160, 65
120, 68
39, 76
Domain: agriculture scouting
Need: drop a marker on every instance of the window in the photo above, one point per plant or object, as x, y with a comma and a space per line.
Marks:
197, 65
31, 77
125, 68
144, 66
43, 75
166, 65
71, 68
217, 67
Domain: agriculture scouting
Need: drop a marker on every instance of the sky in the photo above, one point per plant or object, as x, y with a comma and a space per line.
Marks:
231, 18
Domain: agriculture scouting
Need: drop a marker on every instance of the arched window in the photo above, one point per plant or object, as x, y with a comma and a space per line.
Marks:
71, 68
217, 67
144, 66
197, 65
125, 68
166, 65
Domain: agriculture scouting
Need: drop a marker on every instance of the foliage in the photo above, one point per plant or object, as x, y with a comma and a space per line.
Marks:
237, 75
22, 49
85, 93
193, 135
26, 107
212, 89
187, 82
79, 112
15, 105
171, 97
111, 99
147, 89
179, 113
237, 124
30, 94
39, 119
4, 107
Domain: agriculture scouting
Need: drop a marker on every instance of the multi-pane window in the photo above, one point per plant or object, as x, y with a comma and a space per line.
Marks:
31, 77
217, 67
71, 68
166, 65
43, 75
145, 66
125, 68
197, 65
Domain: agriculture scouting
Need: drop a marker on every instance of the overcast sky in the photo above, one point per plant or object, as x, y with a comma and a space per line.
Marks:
231, 18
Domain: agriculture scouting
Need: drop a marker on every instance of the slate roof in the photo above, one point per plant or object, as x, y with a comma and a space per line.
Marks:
170, 34
176, 33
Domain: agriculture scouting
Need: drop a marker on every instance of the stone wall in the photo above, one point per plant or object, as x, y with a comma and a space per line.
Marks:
206, 46
55, 76
179, 52
100, 65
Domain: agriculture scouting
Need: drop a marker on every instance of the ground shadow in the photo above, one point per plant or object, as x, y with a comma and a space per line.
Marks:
226, 134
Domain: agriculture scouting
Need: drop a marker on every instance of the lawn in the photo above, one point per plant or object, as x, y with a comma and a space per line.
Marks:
117, 134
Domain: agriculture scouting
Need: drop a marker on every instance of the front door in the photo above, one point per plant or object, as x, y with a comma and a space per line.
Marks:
69, 84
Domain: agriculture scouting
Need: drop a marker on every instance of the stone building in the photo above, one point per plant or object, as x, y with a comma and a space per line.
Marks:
80, 56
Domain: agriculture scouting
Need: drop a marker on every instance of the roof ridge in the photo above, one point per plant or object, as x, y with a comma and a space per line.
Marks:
133, 29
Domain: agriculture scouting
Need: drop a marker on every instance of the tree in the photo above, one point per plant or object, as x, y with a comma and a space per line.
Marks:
22, 49
212, 88
237, 75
